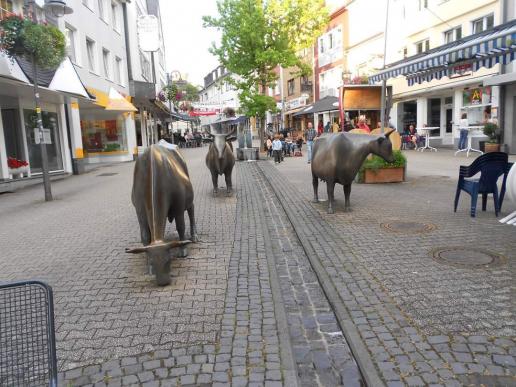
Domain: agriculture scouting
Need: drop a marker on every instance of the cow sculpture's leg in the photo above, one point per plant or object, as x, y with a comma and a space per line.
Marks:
180, 226
330, 187
315, 183
229, 184
347, 193
144, 227
193, 228
215, 180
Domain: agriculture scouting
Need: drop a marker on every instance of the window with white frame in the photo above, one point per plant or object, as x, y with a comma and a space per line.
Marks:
422, 46
330, 46
423, 4
102, 9
114, 16
482, 24
291, 86
453, 34
90, 49
118, 71
70, 34
146, 67
329, 82
106, 62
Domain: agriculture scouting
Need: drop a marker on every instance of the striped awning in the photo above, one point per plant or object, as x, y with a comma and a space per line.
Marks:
485, 49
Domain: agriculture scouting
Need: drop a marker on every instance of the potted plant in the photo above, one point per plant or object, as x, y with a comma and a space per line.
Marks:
17, 167
22, 37
490, 130
377, 170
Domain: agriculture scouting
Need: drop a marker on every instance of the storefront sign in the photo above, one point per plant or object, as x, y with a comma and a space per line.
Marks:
148, 33
461, 70
47, 138
296, 102
476, 96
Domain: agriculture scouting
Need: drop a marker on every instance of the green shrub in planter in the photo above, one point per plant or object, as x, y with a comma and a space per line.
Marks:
490, 131
376, 162
22, 37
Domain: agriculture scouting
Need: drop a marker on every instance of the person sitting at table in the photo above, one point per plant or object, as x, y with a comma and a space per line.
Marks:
412, 136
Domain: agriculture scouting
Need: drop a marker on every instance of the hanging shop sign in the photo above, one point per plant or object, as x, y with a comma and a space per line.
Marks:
148, 33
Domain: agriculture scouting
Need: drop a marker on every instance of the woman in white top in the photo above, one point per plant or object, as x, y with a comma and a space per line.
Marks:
463, 126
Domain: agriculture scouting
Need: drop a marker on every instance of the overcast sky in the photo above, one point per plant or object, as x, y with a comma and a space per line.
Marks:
186, 41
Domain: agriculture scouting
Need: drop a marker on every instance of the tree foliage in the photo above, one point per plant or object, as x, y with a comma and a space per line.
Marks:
258, 36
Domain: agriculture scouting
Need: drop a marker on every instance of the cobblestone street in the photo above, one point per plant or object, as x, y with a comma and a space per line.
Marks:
277, 292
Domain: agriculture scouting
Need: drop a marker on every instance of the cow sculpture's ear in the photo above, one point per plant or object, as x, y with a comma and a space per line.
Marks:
389, 132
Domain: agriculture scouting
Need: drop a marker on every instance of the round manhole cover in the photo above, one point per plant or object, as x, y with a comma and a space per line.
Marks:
467, 257
409, 227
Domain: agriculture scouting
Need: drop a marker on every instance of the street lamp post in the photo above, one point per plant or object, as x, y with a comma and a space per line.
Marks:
384, 82
58, 9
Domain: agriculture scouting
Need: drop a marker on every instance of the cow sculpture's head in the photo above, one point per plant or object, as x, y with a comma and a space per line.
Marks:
382, 147
159, 255
219, 141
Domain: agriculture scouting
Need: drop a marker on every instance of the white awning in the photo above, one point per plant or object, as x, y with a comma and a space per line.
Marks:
67, 80
485, 49
10, 69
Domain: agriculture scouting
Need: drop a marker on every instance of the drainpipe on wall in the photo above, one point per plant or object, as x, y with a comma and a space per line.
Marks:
127, 40
501, 96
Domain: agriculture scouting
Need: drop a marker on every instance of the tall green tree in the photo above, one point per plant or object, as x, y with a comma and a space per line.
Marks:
260, 35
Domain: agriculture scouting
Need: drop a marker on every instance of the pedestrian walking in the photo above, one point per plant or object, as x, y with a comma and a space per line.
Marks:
362, 124
277, 149
310, 136
268, 144
320, 128
327, 127
463, 126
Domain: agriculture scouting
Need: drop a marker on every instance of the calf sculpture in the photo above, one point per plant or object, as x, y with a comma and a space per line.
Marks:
220, 159
336, 158
161, 190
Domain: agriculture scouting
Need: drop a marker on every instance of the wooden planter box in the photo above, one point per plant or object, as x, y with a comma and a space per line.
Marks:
384, 175
491, 147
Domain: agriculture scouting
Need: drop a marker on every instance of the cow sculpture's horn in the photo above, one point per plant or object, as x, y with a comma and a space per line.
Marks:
162, 245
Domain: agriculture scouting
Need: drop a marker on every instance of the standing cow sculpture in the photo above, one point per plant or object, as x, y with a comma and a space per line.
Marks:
161, 190
220, 159
336, 158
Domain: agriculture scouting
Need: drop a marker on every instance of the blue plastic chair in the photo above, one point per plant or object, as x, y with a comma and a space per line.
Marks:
491, 166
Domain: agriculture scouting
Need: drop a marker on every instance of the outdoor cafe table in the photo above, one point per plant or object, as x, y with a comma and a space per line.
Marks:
426, 131
469, 148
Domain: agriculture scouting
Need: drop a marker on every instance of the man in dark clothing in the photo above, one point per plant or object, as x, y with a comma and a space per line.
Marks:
310, 136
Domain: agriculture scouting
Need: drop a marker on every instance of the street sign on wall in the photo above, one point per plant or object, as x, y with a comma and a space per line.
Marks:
148, 33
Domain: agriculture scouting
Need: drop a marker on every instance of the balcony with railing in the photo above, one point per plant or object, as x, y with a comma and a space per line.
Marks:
306, 87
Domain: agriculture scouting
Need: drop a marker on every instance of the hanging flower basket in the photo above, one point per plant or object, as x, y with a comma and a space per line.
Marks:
22, 37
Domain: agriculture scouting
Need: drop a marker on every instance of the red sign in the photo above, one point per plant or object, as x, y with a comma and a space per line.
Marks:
461, 70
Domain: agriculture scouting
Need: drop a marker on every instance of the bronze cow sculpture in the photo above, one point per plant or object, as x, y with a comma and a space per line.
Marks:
336, 158
161, 190
220, 159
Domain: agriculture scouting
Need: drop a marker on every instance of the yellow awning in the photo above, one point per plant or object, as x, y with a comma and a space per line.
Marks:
114, 101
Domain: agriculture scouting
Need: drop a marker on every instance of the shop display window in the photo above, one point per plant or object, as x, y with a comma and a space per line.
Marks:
104, 136
52, 136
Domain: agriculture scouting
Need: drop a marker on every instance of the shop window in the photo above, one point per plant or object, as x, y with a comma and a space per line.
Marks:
104, 136
13, 134
422, 46
146, 67
6, 7
482, 24
51, 128
290, 86
434, 115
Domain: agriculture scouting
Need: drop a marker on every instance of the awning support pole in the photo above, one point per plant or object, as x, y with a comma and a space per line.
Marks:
384, 82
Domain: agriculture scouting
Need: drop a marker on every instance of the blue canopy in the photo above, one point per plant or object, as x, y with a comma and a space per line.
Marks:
485, 49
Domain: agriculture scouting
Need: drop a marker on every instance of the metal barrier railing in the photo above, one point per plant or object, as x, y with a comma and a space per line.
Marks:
27, 336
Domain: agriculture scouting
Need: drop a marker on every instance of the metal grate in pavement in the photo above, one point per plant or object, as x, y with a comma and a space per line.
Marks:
27, 342
467, 257
408, 227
